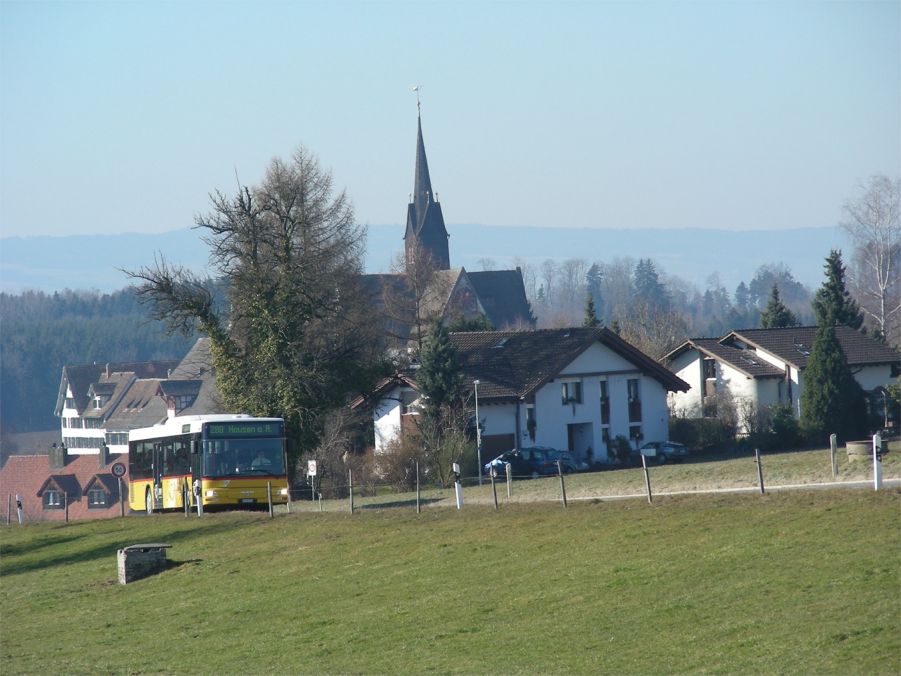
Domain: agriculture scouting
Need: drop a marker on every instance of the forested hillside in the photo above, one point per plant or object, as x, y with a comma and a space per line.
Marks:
40, 333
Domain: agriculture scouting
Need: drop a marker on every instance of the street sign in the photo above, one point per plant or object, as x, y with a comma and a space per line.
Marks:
311, 468
117, 469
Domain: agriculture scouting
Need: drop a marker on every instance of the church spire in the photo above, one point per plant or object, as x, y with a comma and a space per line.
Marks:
425, 223
422, 183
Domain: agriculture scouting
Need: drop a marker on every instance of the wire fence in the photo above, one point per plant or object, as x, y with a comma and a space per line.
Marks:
856, 464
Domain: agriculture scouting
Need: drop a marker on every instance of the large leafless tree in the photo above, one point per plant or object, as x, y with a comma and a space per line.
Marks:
295, 337
873, 221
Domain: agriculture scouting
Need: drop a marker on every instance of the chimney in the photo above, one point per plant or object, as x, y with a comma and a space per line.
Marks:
104, 454
59, 456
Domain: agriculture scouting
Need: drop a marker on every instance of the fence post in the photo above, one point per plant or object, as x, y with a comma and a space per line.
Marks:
350, 483
493, 486
759, 469
562, 485
121, 498
418, 508
509, 471
647, 477
66, 504
186, 499
9, 506
833, 442
269, 498
288, 502
19, 514
877, 462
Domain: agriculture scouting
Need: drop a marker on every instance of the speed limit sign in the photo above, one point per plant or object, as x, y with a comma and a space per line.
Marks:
311, 468
118, 469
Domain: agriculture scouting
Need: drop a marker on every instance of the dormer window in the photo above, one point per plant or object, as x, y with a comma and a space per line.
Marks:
97, 498
53, 499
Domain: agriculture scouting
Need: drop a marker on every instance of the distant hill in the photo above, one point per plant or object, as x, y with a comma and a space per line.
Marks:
95, 261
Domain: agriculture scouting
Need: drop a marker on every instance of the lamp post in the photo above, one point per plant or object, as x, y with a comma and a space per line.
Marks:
475, 384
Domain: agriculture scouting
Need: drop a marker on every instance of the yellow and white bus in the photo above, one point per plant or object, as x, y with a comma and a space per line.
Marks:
226, 460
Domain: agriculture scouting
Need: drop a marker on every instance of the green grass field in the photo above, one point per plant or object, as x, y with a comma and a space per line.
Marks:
801, 582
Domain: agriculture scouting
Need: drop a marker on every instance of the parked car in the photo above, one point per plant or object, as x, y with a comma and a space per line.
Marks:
567, 462
664, 451
533, 461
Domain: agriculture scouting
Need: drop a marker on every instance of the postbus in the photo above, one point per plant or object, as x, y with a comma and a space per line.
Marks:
226, 460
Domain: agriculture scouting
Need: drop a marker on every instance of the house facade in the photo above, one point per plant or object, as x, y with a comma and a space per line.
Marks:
576, 389
760, 368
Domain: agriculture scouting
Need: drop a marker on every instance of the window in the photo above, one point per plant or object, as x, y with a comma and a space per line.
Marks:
53, 499
97, 498
709, 369
634, 400
572, 393
93, 423
605, 404
70, 402
76, 423
531, 423
116, 438
635, 433
407, 397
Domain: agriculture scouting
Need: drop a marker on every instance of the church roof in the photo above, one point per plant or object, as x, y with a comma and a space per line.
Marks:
503, 296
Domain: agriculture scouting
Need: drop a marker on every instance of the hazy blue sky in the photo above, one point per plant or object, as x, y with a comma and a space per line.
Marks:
122, 116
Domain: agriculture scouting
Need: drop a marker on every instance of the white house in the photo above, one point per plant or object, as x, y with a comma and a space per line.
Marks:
764, 367
575, 389
99, 403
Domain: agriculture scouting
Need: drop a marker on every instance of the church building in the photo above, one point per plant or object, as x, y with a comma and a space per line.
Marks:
429, 286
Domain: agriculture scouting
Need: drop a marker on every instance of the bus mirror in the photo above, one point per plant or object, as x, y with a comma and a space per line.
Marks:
194, 447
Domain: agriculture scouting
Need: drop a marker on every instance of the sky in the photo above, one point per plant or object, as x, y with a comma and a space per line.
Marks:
123, 116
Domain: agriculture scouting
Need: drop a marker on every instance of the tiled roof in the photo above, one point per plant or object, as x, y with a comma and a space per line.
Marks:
513, 364
140, 407
503, 295
198, 365
26, 475
793, 345
80, 377
746, 362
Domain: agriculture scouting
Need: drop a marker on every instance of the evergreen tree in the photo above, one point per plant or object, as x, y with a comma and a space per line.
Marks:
832, 303
832, 400
648, 287
591, 318
439, 377
593, 280
776, 315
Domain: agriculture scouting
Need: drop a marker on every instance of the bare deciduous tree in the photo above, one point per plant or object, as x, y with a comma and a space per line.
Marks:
873, 221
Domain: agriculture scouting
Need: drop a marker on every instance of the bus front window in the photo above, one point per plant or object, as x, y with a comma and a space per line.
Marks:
243, 457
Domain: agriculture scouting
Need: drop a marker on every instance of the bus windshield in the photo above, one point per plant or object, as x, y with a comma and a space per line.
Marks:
243, 457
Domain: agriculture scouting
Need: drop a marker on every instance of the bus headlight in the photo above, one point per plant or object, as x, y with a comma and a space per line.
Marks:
283, 491
212, 494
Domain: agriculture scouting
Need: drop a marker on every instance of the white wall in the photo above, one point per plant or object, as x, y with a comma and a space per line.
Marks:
386, 419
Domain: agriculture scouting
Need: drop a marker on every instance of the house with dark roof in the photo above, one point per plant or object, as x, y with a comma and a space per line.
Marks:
760, 368
46, 485
98, 403
575, 389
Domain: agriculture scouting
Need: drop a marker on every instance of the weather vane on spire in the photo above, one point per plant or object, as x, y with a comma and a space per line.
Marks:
416, 89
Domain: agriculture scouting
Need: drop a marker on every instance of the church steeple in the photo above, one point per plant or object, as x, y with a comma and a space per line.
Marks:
425, 222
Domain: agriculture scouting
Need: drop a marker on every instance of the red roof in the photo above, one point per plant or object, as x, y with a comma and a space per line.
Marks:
28, 476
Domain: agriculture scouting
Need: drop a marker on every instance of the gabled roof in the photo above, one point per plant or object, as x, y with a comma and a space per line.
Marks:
503, 295
80, 377
741, 360
422, 182
107, 482
514, 364
198, 365
139, 407
67, 483
792, 345
178, 388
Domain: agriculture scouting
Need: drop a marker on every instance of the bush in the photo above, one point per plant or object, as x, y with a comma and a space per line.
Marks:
621, 448
703, 434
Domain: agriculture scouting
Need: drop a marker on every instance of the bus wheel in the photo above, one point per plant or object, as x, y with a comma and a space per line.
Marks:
148, 502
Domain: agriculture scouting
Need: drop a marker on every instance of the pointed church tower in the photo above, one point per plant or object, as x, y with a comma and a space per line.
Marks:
425, 222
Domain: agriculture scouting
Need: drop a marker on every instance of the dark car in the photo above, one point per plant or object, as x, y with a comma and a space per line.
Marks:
533, 461
567, 462
664, 451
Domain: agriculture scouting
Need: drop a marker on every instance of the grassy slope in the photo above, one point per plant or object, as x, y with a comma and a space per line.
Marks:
802, 582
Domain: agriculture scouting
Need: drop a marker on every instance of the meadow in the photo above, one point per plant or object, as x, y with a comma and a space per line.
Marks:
791, 582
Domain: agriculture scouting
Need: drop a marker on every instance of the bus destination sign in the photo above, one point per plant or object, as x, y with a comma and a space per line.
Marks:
243, 429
